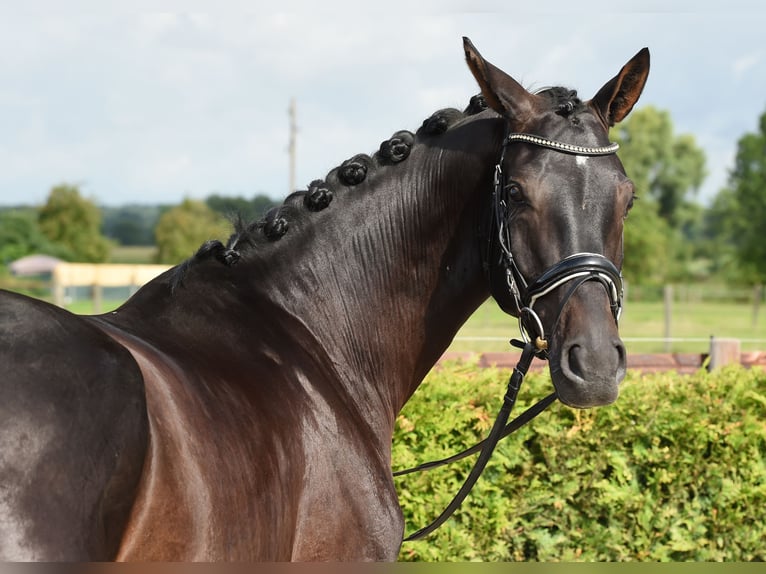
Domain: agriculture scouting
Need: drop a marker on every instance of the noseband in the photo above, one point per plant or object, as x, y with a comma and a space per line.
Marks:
518, 296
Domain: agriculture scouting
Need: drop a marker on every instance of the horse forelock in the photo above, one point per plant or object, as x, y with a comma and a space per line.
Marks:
299, 207
564, 101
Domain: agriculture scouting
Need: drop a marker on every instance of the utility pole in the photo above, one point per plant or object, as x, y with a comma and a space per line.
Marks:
291, 145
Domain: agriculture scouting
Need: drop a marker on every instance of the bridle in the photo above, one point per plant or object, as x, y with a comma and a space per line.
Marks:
518, 296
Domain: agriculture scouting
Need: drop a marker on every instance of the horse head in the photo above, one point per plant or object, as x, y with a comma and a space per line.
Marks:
555, 247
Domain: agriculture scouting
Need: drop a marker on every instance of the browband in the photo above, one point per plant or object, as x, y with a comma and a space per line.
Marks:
560, 146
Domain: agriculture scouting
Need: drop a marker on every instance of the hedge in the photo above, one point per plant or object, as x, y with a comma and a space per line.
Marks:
674, 470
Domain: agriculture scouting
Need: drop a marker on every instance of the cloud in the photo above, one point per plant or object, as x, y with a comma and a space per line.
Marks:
744, 64
115, 99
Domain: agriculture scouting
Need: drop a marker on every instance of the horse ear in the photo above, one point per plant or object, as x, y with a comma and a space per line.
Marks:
502, 93
618, 96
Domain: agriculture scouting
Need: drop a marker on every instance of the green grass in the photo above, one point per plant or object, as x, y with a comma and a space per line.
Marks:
489, 329
85, 307
133, 254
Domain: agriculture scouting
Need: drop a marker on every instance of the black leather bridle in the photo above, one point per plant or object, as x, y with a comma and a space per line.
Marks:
513, 292
517, 296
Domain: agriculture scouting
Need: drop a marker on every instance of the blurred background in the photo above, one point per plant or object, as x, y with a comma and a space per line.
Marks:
125, 137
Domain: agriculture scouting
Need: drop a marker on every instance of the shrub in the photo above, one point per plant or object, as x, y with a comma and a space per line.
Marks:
674, 470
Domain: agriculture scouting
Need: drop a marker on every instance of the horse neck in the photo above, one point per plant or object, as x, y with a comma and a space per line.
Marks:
388, 284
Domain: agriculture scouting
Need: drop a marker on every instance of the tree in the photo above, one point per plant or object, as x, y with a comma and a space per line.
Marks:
667, 169
131, 224
20, 235
182, 229
646, 246
739, 210
246, 209
74, 222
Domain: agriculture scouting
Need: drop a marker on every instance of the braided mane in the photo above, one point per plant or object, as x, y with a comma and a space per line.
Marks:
320, 193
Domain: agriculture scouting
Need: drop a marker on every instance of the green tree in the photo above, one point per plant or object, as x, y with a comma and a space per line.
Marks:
182, 229
667, 167
739, 210
247, 209
20, 235
667, 170
131, 224
647, 239
74, 222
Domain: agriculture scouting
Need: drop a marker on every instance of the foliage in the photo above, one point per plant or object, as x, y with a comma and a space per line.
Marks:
674, 470
666, 169
131, 224
182, 229
20, 235
739, 212
646, 245
74, 222
247, 209
665, 166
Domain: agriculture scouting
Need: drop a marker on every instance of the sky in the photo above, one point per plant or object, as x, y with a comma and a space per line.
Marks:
142, 107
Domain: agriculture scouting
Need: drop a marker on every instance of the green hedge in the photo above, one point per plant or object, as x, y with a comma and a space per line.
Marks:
674, 470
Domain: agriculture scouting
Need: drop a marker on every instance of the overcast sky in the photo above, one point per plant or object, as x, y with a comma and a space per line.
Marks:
152, 108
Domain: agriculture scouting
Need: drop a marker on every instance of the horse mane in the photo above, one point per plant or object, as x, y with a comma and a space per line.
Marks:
320, 192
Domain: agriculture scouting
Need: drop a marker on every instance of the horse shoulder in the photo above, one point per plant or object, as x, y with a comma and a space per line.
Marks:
73, 434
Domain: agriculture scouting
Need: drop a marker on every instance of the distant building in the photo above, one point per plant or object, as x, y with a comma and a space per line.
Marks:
34, 266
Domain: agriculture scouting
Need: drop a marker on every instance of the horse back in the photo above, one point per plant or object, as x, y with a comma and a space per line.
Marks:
73, 434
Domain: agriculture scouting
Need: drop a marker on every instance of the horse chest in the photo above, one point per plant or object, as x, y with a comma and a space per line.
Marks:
218, 487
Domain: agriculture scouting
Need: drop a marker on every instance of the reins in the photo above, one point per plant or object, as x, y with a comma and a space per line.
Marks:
521, 296
510, 428
487, 446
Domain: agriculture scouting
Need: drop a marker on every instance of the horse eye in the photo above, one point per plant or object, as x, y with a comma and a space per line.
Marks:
514, 192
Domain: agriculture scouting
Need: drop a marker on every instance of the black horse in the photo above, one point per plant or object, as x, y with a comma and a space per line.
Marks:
241, 405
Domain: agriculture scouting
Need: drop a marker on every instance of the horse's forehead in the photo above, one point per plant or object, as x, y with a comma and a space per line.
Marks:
584, 129
545, 167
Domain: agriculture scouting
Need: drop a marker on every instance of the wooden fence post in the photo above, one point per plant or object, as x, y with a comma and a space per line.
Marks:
668, 299
723, 352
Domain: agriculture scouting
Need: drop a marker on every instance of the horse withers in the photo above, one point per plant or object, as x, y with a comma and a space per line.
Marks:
241, 405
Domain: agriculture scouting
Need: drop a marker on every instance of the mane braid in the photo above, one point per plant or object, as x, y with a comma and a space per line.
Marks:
563, 100
320, 193
210, 249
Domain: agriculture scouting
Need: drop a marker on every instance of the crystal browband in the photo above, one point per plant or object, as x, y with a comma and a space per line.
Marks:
559, 146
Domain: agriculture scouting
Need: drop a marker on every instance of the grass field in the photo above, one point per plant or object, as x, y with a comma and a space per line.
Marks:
489, 329
642, 325
133, 254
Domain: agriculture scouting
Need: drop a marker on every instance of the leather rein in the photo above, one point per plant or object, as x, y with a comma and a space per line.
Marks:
518, 297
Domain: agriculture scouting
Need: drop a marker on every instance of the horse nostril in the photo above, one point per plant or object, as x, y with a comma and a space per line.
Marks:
621, 353
622, 360
581, 363
574, 360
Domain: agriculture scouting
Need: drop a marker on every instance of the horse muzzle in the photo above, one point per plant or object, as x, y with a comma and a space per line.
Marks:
587, 357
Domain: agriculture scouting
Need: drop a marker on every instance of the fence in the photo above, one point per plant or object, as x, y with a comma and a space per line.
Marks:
96, 277
91, 280
721, 352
